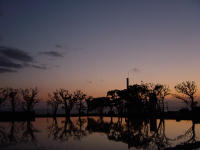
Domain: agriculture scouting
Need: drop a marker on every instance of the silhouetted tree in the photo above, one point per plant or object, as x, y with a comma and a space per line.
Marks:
88, 101
157, 94
187, 91
136, 98
3, 95
54, 101
12, 93
67, 101
79, 97
161, 92
29, 99
113, 98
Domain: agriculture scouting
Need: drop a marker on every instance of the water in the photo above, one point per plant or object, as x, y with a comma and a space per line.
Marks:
88, 133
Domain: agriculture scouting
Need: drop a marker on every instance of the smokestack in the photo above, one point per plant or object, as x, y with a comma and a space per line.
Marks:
127, 83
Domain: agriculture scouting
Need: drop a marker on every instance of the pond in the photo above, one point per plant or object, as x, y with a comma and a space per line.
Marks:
99, 133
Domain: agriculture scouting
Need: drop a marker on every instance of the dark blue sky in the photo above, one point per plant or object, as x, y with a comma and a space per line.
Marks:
92, 45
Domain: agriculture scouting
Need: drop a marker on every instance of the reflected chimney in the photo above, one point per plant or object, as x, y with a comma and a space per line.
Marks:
127, 83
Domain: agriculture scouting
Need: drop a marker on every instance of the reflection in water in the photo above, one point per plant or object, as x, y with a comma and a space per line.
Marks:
13, 133
28, 135
137, 134
68, 129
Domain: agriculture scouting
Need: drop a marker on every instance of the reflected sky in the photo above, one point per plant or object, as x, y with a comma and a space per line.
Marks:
92, 45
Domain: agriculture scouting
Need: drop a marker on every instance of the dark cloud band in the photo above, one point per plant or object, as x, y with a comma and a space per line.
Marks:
5, 62
16, 54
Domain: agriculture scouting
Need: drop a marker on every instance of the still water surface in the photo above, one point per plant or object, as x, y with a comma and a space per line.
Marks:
88, 133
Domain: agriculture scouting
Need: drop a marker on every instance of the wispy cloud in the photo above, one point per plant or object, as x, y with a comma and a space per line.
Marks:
58, 46
6, 70
39, 67
68, 48
89, 82
52, 54
134, 70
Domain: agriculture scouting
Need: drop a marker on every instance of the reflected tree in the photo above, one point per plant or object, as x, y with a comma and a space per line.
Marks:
54, 129
68, 129
190, 143
4, 140
81, 132
13, 135
137, 133
29, 131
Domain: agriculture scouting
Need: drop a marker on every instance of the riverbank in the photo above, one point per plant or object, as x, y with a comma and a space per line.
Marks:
30, 116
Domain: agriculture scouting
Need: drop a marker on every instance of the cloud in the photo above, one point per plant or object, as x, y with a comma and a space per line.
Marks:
12, 58
89, 82
4, 62
58, 46
39, 67
77, 49
68, 48
134, 70
16, 54
6, 70
52, 53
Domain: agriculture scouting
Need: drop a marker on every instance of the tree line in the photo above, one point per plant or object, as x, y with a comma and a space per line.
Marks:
24, 99
136, 99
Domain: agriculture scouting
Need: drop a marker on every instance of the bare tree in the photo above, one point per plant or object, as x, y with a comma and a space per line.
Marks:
187, 91
54, 101
161, 92
29, 99
12, 93
67, 101
79, 97
3, 95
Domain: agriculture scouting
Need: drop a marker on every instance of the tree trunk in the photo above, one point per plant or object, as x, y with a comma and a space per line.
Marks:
13, 104
80, 107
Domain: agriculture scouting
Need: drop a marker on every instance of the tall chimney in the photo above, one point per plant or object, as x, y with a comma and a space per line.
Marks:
127, 83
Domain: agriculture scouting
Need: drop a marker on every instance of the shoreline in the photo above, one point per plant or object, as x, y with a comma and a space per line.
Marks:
30, 116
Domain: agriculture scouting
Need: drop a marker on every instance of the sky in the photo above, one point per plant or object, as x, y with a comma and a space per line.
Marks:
93, 45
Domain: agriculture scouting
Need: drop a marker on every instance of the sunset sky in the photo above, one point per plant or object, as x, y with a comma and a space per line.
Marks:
94, 45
